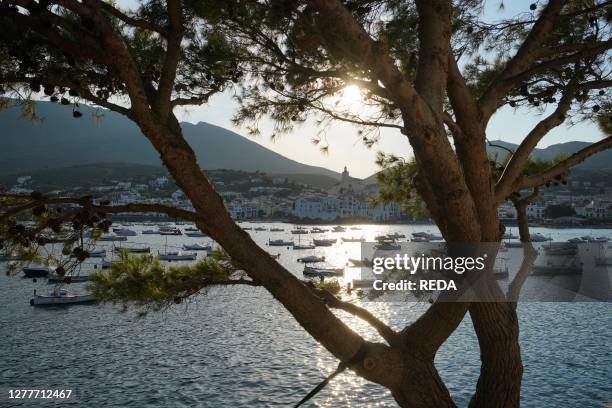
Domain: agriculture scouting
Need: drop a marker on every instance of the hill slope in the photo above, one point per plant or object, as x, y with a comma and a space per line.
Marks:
64, 141
599, 161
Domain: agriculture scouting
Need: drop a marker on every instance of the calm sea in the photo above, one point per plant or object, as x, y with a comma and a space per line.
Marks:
237, 347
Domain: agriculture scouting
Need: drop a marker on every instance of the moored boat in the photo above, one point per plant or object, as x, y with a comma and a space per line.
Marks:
322, 272
61, 297
311, 259
174, 231
324, 242
279, 242
112, 238
37, 271
303, 246
276, 230
338, 228
197, 247
351, 239
195, 234
176, 256
124, 232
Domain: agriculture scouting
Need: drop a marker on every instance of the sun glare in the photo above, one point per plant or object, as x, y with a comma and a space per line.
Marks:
351, 98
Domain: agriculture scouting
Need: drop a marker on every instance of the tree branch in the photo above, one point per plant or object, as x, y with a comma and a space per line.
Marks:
522, 60
519, 159
565, 165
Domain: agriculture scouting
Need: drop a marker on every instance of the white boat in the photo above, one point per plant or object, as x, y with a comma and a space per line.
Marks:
322, 272
197, 247
191, 229
176, 256
387, 246
311, 259
61, 297
576, 240
303, 246
361, 239
338, 228
324, 242
537, 237
112, 238
396, 235
68, 278
96, 253
317, 230
279, 242
509, 235
426, 236
299, 231
174, 231
124, 232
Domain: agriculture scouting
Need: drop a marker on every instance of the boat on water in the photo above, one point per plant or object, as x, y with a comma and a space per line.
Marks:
197, 247
37, 271
537, 237
124, 232
195, 234
311, 271
112, 238
387, 246
426, 236
191, 229
509, 235
247, 228
356, 228
276, 230
299, 231
600, 239
134, 250
150, 232
303, 246
311, 259
61, 297
352, 239
395, 235
576, 240
324, 242
260, 229
317, 230
96, 253
279, 242
177, 256
174, 231
338, 228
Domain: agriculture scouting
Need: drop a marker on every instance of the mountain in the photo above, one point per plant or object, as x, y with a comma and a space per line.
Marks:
599, 161
62, 141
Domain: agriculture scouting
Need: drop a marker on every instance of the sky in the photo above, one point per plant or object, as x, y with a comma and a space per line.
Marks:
345, 147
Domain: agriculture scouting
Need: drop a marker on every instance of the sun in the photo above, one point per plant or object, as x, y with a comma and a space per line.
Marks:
351, 98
